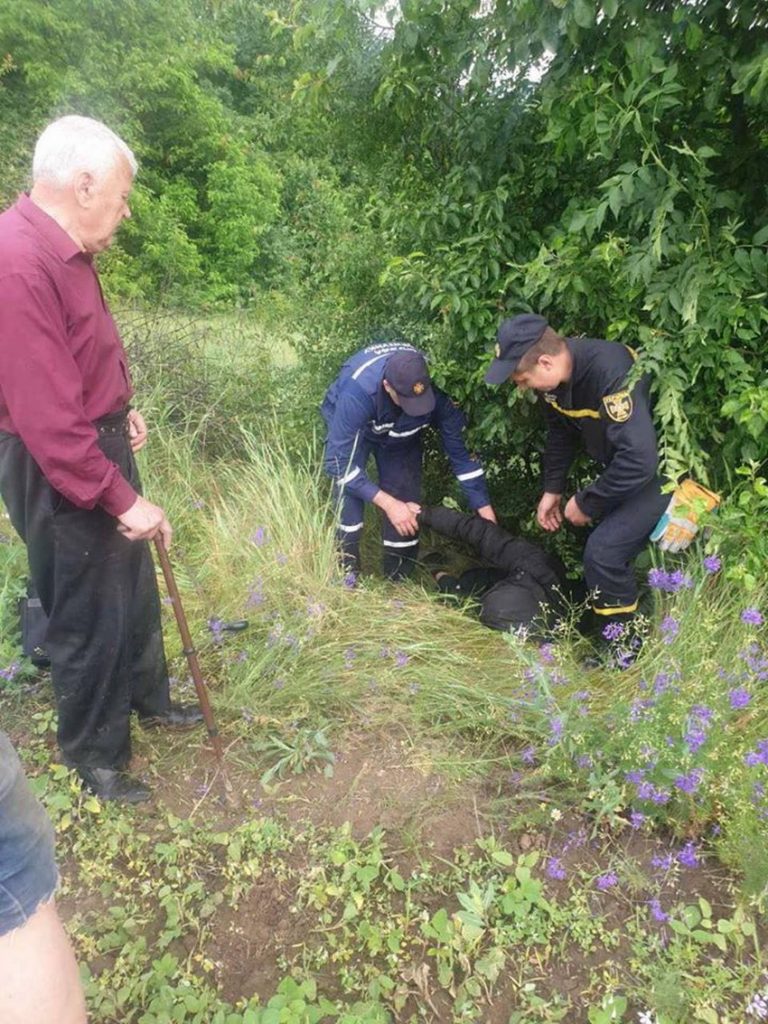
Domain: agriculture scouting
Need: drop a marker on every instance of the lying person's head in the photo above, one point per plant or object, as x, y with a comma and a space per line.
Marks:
514, 605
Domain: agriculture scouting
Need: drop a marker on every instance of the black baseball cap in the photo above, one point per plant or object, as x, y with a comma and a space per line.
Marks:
513, 339
406, 371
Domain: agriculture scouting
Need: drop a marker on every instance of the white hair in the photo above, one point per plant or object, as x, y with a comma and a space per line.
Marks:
73, 144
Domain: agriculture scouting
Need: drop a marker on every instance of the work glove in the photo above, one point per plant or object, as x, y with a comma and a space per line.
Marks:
679, 524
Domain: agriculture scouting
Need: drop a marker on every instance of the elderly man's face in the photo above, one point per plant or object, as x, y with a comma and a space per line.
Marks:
107, 206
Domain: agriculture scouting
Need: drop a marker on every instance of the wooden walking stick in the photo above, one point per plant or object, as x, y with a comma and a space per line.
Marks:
194, 665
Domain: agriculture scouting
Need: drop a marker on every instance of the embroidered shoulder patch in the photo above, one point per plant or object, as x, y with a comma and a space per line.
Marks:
618, 406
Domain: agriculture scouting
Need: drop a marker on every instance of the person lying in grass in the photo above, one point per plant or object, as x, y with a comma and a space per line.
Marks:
521, 586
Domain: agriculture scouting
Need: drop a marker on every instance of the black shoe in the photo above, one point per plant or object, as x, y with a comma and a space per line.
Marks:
178, 716
236, 626
113, 784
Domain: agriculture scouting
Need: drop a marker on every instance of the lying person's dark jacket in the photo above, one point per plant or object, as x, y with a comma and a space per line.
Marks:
526, 587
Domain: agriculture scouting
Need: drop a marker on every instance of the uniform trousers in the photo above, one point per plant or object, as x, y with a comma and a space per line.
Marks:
612, 548
99, 591
399, 469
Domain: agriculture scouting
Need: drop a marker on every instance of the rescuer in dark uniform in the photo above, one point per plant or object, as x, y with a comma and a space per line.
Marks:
380, 404
589, 401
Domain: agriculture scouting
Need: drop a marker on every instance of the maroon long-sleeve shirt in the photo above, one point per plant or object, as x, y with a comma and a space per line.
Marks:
62, 364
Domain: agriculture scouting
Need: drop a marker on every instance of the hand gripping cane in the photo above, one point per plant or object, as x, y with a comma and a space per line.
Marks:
194, 666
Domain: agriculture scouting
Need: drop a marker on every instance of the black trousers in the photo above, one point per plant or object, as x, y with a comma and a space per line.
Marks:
399, 469
100, 594
612, 548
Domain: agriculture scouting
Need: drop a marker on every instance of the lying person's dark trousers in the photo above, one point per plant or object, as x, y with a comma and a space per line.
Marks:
524, 587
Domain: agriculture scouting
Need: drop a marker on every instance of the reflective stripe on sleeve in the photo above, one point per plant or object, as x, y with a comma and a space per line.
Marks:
400, 543
349, 477
470, 476
407, 433
350, 529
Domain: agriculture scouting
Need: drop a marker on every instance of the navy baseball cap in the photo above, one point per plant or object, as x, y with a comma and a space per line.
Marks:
407, 373
515, 336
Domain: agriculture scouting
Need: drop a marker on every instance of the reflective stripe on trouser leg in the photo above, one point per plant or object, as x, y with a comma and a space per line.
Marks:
613, 546
399, 475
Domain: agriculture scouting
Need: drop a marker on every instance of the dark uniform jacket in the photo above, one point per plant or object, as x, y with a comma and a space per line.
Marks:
356, 408
595, 408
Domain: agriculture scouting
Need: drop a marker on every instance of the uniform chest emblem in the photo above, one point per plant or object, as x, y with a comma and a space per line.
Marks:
618, 406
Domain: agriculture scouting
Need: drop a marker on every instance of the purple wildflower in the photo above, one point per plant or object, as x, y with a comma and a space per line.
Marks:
698, 724
198, 504
635, 777
606, 881
401, 659
350, 580
689, 783
670, 582
752, 617
216, 627
663, 861
259, 537
656, 912
688, 856
637, 819
660, 683
758, 1005
712, 563
9, 673
528, 756
555, 869
556, 726
613, 631
657, 578
576, 838
739, 698
759, 756
669, 629
695, 738
584, 761
546, 654
678, 580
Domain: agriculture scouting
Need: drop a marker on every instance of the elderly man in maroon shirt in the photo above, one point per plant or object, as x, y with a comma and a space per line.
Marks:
67, 441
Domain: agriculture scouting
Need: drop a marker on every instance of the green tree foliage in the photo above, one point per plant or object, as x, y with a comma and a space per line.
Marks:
623, 194
152, 69
442, 163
